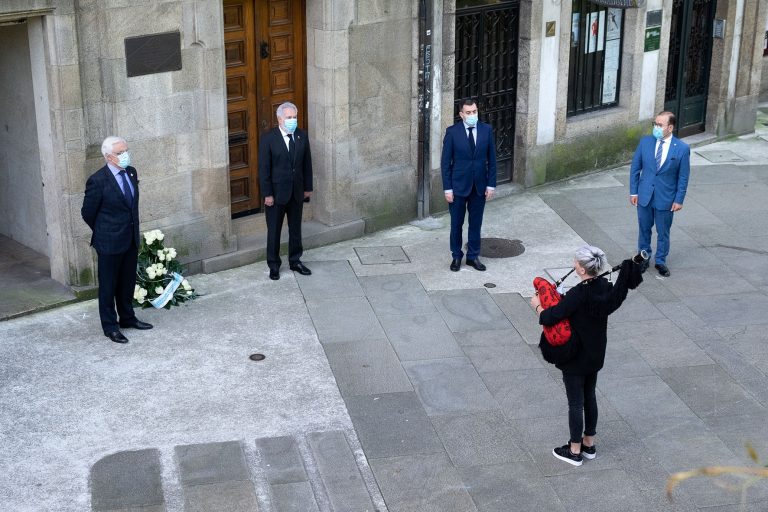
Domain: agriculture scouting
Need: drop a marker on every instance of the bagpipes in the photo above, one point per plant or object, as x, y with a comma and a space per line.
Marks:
554, 342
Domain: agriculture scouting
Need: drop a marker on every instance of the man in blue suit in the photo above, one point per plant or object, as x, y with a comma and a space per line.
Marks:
468, 166
658, 180
111, 209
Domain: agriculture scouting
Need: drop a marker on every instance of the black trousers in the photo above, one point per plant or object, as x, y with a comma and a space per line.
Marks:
117, 279
274, 216
582, 404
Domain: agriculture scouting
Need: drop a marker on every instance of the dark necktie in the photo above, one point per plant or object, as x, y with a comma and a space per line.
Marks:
658, 154
126, 188
471, 139
291, 147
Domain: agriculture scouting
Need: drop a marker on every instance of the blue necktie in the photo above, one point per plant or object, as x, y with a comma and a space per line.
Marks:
658, 154
126, 188
471, 139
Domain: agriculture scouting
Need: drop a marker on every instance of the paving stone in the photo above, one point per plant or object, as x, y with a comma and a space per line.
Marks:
397, 294
709, 391
421, 483
719, 197
329, 280
685, 444
518, 310
682, 316
367, 367
640, 399
730, 310
449, 386
736, 432
661, 343
294, 497
281, 460
127, 479
621, 360
469, 310
381, 255
344, 485
344, 319
527, 393
508, 487
479, 439
210, 463
608, 490
687, 282
493, 351
392, 424
636, 308
747, 263
748, 341
420, 336
231, 496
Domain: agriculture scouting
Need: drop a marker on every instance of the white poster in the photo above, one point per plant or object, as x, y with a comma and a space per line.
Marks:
575, 29
613, 28
609, 86
595, 30
612, 55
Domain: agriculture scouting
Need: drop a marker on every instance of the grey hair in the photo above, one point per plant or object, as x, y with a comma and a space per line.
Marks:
283, 106
109, 144
591, 258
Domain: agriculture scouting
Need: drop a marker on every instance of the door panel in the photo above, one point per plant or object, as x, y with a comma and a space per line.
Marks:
264, 49
690, 51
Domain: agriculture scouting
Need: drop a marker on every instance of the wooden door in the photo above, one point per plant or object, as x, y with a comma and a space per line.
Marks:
265, 55
690, 53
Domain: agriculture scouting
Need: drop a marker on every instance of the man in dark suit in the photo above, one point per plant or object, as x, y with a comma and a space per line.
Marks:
111, 209
285, 175
468, 166
658, 180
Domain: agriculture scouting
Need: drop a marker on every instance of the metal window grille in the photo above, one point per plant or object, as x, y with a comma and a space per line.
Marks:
597, 35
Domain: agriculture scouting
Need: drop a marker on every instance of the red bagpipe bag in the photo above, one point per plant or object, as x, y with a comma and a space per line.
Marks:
560, 333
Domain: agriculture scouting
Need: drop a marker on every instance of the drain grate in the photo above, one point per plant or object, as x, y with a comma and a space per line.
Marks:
501, 248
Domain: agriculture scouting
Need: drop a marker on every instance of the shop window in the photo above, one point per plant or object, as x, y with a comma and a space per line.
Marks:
595, 57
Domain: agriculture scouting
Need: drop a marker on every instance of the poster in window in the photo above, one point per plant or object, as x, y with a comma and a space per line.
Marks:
613, 26
575, 29
595, 27
612, 55
609, 86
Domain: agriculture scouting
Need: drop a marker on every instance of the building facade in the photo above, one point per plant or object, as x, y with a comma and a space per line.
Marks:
569, 85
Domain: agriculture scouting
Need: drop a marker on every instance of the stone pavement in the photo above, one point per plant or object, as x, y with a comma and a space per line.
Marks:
391, 383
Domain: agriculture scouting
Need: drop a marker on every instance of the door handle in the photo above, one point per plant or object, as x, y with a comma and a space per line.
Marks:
264, 50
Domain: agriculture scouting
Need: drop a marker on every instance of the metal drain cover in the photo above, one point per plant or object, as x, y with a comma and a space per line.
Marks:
501, 248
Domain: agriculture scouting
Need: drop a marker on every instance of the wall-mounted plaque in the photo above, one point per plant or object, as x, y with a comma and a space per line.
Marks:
652, 39
718, 29
550, 31
653, 18
154, 53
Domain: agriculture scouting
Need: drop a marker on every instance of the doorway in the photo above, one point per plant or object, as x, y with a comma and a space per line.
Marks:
486, 69
690, 52
265, 56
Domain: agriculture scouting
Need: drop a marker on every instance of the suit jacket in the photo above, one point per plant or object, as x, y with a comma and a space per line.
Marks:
666, 186
114, 222
280, 176
461, 168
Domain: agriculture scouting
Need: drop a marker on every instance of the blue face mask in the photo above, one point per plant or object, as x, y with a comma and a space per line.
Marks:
291, 124
658, 132
124, 160
471, 120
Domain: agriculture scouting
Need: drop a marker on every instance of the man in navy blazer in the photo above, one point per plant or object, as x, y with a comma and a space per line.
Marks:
111, 209
285, 175
658, 180
468, 166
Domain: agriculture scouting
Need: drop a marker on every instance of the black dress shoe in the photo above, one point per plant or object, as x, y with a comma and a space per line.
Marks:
301, 269
663, 270
116, 336
476, 264
456, 265
136, 324
274, 274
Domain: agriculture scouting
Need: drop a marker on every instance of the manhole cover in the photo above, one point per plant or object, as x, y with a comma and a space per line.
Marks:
489, 285
257, 357
501, 248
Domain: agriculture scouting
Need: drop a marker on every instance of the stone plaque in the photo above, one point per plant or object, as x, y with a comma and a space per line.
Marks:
154, 53
653, 18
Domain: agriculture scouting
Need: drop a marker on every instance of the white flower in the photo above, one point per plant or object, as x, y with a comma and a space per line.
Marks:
159, 290
161, 256
159, 234
171, 254
185, 284
149, 237
189, 292
140, 300
151, 272
160, 253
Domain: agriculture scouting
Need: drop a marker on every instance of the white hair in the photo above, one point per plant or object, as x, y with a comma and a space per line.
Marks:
281, 109
591, 258
109, 144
